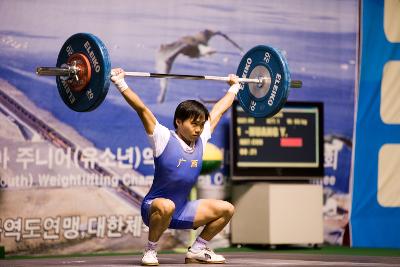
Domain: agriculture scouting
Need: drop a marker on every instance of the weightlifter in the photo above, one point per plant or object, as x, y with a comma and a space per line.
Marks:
178, 159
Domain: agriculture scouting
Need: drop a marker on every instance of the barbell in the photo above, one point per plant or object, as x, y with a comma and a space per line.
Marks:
83, 72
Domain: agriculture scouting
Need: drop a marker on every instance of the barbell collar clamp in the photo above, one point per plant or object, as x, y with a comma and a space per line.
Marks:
296, 84
68, 71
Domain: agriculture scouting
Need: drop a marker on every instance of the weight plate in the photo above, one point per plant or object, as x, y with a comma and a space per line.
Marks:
267, 99
96, 90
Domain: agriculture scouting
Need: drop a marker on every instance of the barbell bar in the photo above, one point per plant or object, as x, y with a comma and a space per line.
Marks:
69, 71
83, 73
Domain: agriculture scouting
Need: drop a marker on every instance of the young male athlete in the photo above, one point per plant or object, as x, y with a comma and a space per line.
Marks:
178, 159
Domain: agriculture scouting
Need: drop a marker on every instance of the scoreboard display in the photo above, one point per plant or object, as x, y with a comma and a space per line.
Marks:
288, 145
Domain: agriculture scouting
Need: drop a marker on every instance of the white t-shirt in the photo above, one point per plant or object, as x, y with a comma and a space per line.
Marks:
161, 134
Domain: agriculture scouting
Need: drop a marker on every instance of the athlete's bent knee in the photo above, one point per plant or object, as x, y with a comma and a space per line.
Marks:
163, 206
228, 208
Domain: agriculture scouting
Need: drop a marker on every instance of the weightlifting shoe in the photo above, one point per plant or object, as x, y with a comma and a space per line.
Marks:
205, 255
150, 258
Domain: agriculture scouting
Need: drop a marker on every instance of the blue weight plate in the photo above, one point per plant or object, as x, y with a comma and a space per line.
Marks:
107, 77
264, 100
95, 92
289, 79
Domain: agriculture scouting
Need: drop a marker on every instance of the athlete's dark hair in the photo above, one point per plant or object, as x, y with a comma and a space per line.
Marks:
190, 109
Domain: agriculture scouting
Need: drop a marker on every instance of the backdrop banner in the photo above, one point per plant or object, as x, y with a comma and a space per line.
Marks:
72, 182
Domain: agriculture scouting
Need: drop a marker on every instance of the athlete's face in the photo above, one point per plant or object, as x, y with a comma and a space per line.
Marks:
189, 130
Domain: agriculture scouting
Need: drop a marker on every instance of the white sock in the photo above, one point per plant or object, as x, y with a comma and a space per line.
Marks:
151, 245
198, 244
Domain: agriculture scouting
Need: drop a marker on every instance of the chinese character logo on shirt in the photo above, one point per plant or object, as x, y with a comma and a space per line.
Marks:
180, 161
194, 163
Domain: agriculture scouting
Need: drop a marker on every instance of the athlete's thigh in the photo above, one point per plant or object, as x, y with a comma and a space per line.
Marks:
209, 210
